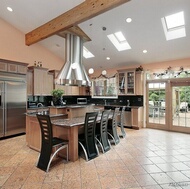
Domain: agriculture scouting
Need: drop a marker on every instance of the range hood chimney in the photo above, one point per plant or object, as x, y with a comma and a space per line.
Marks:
73, 72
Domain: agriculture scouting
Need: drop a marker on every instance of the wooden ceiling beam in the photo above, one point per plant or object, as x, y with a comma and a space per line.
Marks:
84, 11
75, 30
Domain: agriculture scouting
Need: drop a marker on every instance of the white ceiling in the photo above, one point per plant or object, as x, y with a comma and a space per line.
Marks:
144, 32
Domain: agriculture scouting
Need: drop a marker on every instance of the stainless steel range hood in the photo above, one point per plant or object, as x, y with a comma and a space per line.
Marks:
73, 72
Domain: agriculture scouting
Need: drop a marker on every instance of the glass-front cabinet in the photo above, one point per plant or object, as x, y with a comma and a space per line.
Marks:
126, 82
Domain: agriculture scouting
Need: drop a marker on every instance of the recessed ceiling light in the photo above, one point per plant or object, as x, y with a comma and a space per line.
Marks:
108, 58
128, 20
144, 51
9, 9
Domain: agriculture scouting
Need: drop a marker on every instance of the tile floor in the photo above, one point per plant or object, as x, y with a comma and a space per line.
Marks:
145, 159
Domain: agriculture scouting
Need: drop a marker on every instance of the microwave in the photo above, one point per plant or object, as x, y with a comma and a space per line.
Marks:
81, 100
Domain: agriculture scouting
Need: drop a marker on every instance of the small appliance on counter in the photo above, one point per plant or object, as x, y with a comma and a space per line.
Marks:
81, 100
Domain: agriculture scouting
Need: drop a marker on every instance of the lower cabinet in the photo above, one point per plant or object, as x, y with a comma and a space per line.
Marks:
137, 117
33, 132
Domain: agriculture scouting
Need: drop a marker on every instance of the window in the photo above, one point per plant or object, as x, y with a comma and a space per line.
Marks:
104, 87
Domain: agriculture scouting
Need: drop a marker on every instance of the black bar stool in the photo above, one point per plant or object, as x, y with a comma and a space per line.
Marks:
121, 123
112, 127
48, 143
87, 140
101, 132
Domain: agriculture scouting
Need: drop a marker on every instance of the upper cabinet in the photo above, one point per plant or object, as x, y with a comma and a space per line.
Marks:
40, 81
130, 82
13, 66
126, 82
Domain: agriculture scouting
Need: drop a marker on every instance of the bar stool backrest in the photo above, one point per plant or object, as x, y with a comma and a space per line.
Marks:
103, 130
89, 127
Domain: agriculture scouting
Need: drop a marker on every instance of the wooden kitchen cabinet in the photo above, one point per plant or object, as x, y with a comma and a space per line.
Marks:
30, 84
49, 83
68, 90
40, 80
137, 117
13, 66
130, 82
139, 83
126, 82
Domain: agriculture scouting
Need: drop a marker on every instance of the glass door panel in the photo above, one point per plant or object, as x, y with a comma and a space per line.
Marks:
156, 104
130, 82
180, 107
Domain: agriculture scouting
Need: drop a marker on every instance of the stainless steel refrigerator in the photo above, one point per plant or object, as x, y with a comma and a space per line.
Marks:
13, 98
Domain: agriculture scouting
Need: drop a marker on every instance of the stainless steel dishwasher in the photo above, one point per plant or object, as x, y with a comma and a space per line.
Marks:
127, 117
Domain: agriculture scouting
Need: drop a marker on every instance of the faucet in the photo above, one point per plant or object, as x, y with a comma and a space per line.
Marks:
105, 102
40, 105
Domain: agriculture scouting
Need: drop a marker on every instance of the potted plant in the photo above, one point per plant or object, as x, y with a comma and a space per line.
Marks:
57, 96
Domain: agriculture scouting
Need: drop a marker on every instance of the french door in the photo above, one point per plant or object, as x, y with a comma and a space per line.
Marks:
180, 106
157, 105
168, 105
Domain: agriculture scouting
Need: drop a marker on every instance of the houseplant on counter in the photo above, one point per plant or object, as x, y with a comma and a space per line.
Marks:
57, 96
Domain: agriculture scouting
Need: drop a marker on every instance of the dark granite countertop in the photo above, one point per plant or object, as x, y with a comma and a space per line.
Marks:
72, 106
51, 115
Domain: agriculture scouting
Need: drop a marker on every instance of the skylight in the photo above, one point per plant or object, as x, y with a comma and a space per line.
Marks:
119, 41
175, 20
174, 26
87, 53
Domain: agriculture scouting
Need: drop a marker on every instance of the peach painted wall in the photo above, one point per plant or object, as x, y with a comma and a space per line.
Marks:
157, 66
12, 47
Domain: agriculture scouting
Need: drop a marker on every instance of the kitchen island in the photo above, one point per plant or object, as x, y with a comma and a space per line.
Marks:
67, 122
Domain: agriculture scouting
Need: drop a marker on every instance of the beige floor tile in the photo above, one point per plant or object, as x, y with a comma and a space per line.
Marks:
109, 182
144, 159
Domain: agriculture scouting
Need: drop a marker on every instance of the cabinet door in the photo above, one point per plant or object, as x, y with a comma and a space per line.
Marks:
74, 90
130, 77
30, 83
121, 80
139, 83
40, 77
49, 84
